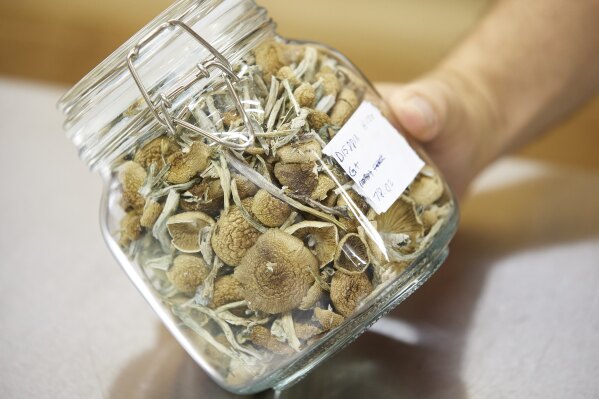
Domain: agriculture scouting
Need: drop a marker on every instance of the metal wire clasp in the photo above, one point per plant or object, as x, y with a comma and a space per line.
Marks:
160, 109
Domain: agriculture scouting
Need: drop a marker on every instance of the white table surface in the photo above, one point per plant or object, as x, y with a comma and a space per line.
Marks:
513, 313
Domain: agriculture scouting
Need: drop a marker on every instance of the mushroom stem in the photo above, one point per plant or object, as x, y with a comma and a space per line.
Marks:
226, 329
260, 181
289, 221
338, 211
225, 178
231, 305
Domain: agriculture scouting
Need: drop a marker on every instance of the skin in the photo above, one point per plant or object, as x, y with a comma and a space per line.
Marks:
525, 67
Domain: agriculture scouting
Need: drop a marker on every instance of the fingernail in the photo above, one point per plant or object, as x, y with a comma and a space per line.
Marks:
418, 116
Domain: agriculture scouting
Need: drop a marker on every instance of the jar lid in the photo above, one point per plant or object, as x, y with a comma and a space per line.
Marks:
105, 112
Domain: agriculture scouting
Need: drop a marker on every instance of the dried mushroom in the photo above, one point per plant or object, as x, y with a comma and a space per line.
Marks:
327, 318
277, 272
152, 210
187, 273
270, 211
399, 227
301, 178
348, 290
300, 152
352, 256
185, 165
226, 290
324, 185
132, 177
233, 235
346, 104
261, 336
130, 228
155, 152
427, 187
320, 237
185, 229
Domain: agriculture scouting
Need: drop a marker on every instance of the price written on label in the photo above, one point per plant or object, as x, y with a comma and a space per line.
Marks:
378, 159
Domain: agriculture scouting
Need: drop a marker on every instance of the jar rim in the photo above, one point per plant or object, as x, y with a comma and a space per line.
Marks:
95, 108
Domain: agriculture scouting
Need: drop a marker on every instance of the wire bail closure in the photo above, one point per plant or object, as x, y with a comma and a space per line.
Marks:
164, 101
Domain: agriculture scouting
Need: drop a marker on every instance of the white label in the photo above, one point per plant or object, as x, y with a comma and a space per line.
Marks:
375, 156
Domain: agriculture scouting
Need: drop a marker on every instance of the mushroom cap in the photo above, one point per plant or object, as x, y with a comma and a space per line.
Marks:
270, 57
184, 229
300, 152
301, 178
151, 211
226, 290
327, 318
269, 210
262, 337
330, 83
305, 95
210, 195
312, 296
305, 331
245, 188
427, 187
155, 151
348, 290
324, 185
347, 102
185, 165
286, 72
318, 119
233, 235
187, 273
320, 237
132, 176
352, 256
400, 227
130, 228
277, 272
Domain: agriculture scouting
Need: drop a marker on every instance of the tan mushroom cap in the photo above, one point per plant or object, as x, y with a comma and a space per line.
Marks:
262, 337
130, 228
352, 256
184, 229
226, 290
301, 178
277, 272
271, 56
270, 211
320, 237
155, 152
132, 176
318, 119
305, 95
286, 72
400, 227
187, 273
305, 331
150, 214
300, 152
312, 296
324, 185
327, 318
427, 187
233, 235
208, 197
185, 165
348, 290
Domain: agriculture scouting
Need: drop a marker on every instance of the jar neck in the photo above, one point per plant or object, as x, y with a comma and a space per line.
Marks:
105, 114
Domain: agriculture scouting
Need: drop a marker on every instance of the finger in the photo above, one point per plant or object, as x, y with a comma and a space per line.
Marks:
420, 107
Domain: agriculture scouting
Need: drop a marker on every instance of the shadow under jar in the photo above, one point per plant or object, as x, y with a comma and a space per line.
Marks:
259, 252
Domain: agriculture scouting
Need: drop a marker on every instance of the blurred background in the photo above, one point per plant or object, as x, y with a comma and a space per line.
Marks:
395, 40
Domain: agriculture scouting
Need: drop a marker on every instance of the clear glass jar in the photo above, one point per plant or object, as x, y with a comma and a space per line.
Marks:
253, 246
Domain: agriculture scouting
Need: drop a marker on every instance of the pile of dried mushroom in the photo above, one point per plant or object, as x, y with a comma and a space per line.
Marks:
257, 252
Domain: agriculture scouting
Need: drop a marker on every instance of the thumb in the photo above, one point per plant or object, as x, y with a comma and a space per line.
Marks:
420, 107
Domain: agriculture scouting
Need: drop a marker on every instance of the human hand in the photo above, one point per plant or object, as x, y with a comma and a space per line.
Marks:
452, 117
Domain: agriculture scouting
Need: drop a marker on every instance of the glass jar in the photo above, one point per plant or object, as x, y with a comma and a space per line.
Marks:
261, 254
